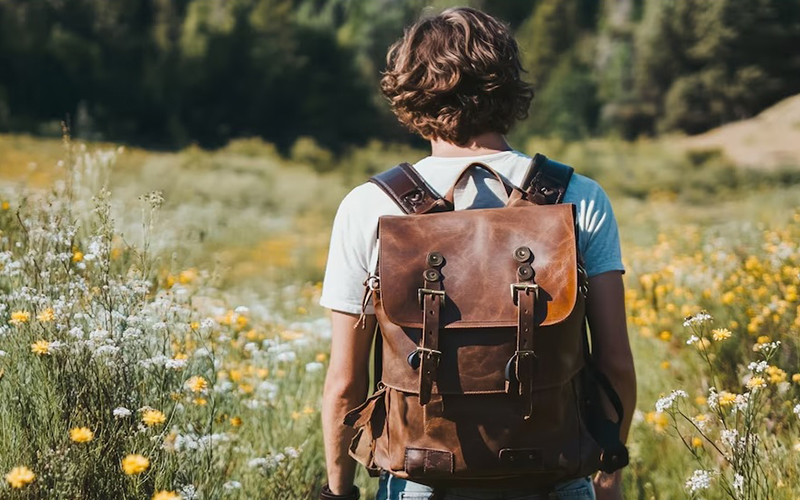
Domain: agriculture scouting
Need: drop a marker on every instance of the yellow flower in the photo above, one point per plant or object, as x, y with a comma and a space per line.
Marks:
46, 316
197, 384
194, 325
697, 442
236, 421
665, 365
302, 310
721, 334
295, 415
200, 401
77, 256
153, 417
135, 464
81, 434
321, 357
40, 347
308, 410
726, 398
5, 205
700, 400
20, 317
665, 336
796, 378
166, 495
776, 375
20, 476
763, 339
756, 382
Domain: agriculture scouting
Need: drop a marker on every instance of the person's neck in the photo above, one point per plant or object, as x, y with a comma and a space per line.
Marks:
483, 144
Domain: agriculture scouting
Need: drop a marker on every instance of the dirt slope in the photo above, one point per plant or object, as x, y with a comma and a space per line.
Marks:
771, 139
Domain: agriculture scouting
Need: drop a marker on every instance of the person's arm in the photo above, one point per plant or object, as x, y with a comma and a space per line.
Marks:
611, 350
346, 386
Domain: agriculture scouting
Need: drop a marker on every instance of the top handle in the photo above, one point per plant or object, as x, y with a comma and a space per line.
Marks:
448, 197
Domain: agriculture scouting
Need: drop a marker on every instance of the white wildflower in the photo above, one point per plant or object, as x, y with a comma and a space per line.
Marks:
286, 357
693, 339
698, 319
231, 485
797, 410
738, 483
757, 367
700, 480
121, 412
314, 366
241, 310
176, 364
713, 399
666, 402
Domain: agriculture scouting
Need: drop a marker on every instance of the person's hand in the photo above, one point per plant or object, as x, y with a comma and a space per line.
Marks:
608, 486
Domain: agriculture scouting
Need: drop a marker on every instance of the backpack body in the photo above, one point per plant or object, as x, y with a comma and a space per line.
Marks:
486, 378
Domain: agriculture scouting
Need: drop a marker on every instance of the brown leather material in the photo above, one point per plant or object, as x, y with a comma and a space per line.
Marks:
428, 350
480, 266
409, 190
503, 401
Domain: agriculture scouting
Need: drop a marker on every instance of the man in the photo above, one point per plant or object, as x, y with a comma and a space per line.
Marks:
455, 79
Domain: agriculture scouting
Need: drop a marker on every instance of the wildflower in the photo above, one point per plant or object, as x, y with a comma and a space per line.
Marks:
776, 375
121, 412
200, 401
758, 367
77, 256
700, 421
700, 480
41, 347
720, 334
666, 402
19, 317
756, 382
697, 442
698, 319
231, 485
665, 336
738, 483
153, 417
665, 365
46, 316
236, 421
726, 398
796, 410
322, 357
20, 476
314, 366
5, 205
796, 378
763, 339
693, 339
81, 435
196, 384
135, 464
166, 495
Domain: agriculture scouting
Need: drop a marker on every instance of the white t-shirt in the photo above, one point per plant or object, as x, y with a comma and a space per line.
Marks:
354, 240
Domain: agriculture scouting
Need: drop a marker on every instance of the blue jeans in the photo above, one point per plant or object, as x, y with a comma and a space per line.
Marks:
392, 488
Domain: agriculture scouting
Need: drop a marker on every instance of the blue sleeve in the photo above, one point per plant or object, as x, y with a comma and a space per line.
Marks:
598, 234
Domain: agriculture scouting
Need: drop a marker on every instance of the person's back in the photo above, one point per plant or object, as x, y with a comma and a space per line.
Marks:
455, 79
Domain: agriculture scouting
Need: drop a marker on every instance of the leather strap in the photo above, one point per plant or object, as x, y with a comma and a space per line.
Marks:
525, 298
429, 353
409, 190
547, 180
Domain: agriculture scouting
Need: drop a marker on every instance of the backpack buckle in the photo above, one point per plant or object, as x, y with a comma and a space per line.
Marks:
422, 292
523, 287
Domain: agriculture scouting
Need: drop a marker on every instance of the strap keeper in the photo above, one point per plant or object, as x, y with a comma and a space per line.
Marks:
523, 287
422, 292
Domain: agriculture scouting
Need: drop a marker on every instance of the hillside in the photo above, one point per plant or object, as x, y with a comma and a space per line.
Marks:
769, 140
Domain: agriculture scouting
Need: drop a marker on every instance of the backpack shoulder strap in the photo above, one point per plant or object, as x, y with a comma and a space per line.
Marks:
546, 180
409, 190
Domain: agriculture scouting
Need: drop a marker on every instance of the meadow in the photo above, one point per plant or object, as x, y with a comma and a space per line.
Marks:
160, 336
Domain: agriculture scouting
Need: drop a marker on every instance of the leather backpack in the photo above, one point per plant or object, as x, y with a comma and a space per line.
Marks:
485, 376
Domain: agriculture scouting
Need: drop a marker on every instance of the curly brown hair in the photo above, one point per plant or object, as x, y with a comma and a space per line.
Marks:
456, 75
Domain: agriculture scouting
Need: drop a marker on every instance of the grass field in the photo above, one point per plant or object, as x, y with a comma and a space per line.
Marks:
161, 338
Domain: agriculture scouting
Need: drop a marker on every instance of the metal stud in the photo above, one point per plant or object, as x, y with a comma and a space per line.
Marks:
525, 272
435, 259
523, 254
431, 275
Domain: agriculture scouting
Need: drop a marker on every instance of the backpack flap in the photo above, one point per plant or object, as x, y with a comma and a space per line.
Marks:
480, 267
481, 253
